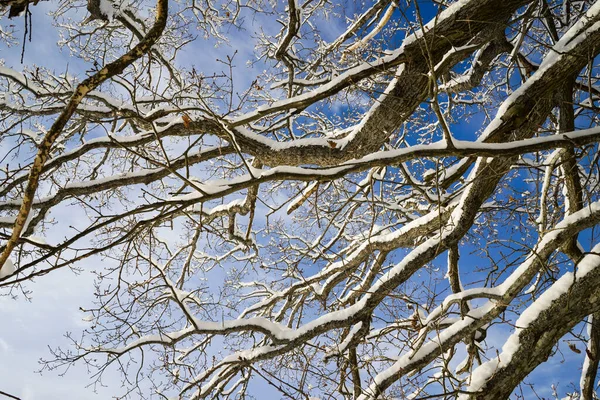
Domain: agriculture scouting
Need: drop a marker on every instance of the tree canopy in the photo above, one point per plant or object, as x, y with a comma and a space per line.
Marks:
339, 200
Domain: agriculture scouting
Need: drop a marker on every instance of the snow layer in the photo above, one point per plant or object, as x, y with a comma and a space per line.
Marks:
7, 269
511, 347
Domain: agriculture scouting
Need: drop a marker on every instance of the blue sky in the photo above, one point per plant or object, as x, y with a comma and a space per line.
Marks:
34, 325
29, 327
37, 323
